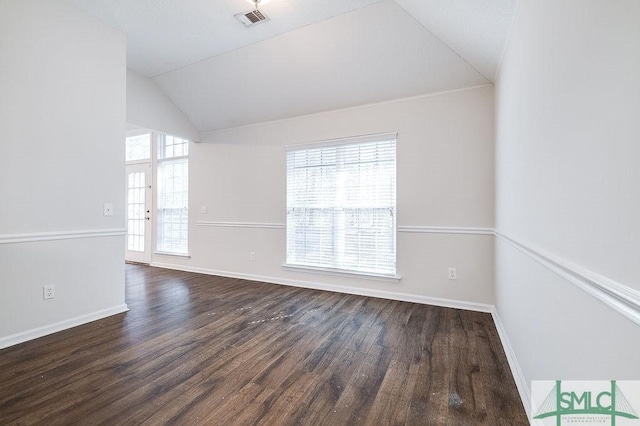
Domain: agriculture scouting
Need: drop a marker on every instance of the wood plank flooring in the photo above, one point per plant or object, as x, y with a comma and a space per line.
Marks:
202, 350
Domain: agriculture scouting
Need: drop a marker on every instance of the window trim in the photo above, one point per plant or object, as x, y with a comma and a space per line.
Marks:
369, 138
164, 253
161, 138
342, 272
374, 137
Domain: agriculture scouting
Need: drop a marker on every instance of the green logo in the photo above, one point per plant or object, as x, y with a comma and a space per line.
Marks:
608, 402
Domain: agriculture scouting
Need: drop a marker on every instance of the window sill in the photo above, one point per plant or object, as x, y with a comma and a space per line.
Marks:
342, 273
183, 256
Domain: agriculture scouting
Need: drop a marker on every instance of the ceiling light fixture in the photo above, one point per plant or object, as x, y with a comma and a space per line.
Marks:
258, 2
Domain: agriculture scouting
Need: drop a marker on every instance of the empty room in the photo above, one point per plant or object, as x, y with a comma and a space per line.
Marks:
356, 212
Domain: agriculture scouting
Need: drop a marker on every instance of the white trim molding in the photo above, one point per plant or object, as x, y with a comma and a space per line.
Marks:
60, 235
381, 294
445, 230
206, 135
241, 224
341, 273
412, 229
24, 336
349, 140
619, 297
162, 253
514, 365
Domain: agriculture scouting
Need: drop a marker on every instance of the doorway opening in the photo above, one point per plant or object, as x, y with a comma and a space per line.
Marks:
139, 198
157, 188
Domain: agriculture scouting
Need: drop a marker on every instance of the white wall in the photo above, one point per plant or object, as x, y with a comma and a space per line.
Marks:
568, 132
62, 115
445, 179
150, 108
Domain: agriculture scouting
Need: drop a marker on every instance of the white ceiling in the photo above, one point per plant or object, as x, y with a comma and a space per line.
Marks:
163, 35
311, 56
476, 29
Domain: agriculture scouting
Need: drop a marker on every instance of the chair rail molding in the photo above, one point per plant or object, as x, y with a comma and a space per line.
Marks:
617, 296
413, 229
417, 229
261, 225
60, 235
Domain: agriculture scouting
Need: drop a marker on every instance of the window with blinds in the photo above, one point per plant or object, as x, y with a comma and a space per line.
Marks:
341, 205
172, 219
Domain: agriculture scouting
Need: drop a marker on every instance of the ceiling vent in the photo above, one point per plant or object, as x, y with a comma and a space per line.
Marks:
252, 18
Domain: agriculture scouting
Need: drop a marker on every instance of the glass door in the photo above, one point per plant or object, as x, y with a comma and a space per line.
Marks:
138, 242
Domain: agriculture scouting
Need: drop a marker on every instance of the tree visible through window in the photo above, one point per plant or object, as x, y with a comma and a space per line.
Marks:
341, 206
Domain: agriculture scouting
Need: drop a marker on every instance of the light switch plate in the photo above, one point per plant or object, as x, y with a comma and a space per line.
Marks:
108, 209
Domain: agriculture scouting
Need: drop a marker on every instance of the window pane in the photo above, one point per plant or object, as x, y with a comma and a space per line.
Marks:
341, 203
138, 147
173, 196
172, 147
135, 214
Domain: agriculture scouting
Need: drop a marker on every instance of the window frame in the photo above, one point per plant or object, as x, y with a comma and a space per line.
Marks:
160, 158
357, 140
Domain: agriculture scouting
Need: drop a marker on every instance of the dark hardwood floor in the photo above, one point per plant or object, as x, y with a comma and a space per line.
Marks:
196, 349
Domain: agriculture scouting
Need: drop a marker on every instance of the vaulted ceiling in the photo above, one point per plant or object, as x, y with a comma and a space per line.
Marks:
311, 56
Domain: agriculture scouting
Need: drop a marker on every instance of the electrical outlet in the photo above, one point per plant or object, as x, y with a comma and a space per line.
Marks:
48, 292
453, 274
203, 209
252, 255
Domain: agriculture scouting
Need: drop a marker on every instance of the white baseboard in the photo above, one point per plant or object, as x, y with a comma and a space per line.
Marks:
521, 383
514, 365
24, 336
404, 297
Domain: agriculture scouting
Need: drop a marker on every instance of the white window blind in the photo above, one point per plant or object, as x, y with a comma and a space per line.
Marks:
173, 196
341, 206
